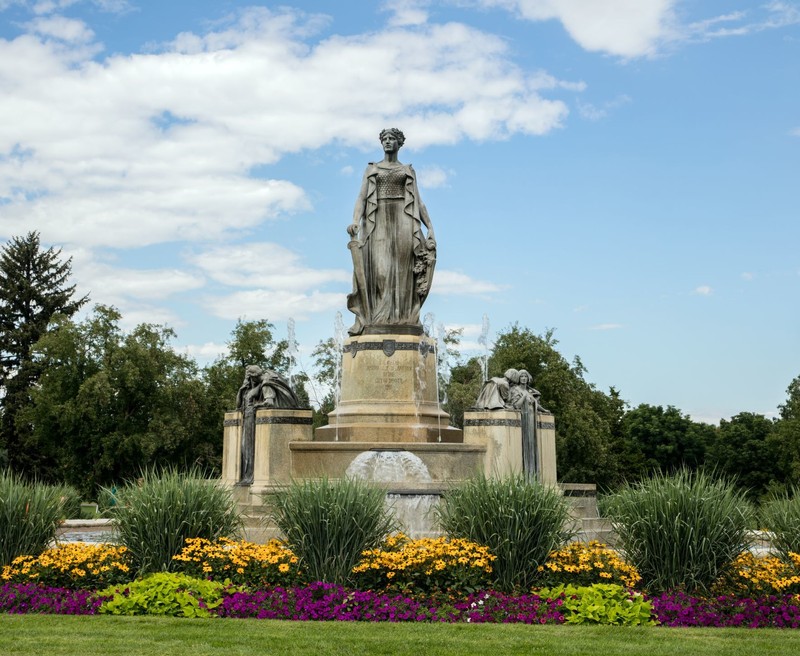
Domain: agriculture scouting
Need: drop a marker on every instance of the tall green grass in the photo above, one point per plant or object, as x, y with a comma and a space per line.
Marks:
681, 531
781, 516
329, 523
520, 521
29, 516
158, 512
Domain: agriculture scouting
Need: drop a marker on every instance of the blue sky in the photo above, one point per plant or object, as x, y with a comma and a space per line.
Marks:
622, 171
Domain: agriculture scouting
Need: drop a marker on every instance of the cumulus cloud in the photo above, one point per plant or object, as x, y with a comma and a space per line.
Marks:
642, 28
277, 305
264, 265
432, 177
131, 150
460, 284
703, 290
593, 112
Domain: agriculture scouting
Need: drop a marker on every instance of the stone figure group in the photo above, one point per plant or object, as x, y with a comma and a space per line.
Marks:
512, 391
393, 258
262, 388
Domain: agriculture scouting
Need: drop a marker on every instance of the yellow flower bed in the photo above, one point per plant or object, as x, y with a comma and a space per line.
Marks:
581, 563
242, 563
761, 575
74, 565
425, 565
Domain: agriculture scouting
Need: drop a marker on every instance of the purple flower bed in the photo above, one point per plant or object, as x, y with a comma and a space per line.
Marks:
678, 609
325, 601
22, 598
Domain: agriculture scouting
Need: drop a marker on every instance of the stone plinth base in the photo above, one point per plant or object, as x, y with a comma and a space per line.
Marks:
389, 393
418, 466
275, 429
499, 431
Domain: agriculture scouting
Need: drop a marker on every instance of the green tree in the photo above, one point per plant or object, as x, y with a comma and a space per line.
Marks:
588, 421
746, 451
786, 435
33, 288
109, 404
327, 362
663, 440
462, 389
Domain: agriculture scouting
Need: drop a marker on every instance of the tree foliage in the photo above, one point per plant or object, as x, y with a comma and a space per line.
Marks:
34, 287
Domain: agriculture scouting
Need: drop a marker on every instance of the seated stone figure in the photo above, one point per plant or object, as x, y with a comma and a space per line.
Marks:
494, 394
261, 389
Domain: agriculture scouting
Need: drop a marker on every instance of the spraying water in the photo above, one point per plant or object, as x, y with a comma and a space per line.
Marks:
483, 340
338, 340
291, 350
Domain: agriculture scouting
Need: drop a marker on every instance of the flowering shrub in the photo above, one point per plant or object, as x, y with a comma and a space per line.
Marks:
74, 565
165, 593
242, 563
580, 563
601, 603
758, 576
327, 601
680, 609
23, 598
425, 565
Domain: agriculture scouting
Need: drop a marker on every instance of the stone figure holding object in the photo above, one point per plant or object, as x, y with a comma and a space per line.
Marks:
393, 259
261, 389
495, 392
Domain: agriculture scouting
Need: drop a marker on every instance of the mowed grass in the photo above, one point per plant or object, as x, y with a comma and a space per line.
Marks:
34, 635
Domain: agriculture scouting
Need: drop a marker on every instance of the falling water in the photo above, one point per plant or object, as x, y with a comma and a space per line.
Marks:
338, 340
483, 340
291, 350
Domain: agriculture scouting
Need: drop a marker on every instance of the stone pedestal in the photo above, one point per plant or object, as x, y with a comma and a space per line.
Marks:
499, 431
546, 432
389, 393
275, 429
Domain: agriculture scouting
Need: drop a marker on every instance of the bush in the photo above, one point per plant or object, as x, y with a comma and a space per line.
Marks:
680, 531
601, 603
242, 563
520, 521
580, 563
428, 565
760, 576
29, 517
165, 593
70, 501
158, 513
72, 565
328, 524
782, 517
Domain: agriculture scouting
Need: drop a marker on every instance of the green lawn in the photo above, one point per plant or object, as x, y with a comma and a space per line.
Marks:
47, 635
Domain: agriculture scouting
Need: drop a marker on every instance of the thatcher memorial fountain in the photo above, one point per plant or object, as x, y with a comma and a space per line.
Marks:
388, 426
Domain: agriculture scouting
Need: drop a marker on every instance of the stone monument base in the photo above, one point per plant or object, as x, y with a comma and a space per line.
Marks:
389, 393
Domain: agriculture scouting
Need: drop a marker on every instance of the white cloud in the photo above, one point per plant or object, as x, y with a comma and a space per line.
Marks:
263, 265
277, 305
347, 170
407, 12
61, 28
432, 177
703, 290
607, 326
595, 113
203, 353
747, 275
150, 148
795, 132
460, 284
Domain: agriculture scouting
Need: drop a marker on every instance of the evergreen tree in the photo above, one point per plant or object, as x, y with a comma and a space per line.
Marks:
33, 289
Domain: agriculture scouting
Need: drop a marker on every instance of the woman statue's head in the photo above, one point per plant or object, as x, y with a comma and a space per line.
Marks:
524, 377
398, 135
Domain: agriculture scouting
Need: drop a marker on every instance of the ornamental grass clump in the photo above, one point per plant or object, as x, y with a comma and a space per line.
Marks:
242, 563
520, 521
29, 517
328, 524
158, 513
427, 565
680, 531
781, 516
72, 565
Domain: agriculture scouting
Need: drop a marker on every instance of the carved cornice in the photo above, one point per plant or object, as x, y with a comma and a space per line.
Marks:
389, 346
516, 423
304, 421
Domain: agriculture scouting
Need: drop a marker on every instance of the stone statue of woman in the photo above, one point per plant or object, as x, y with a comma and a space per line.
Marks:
261, 389
393, 260
526, 399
